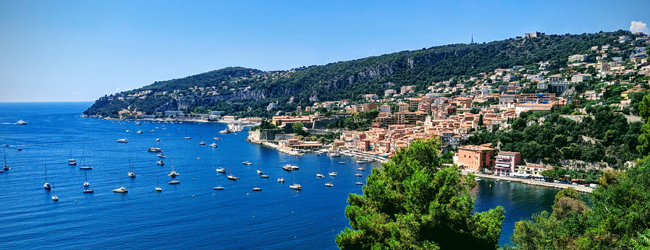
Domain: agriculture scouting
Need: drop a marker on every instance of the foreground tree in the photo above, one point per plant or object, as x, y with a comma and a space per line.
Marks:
412, 202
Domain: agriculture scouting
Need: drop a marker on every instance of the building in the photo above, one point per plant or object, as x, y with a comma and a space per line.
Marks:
580, 77
384, 108
577, 58
475, 158
389, 92
525, 107
403, 107
407, 89
533, 34
400, 118
415, 102
506, 162
370, 97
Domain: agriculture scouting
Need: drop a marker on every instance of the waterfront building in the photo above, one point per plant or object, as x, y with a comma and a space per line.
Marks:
475, 157
506, 162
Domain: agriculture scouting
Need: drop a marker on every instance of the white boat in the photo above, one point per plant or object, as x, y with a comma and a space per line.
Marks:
358, 183
174, 182
121, 189
128, 131
151, 131
46, 185
221, 170
160, 163
131, 172
361, 161
333, 174
157, 140
158, 189
477, 179
55, 198
329, 184
333, 154
247, 163
290, 167
72, 162
187, 138
84, 166
259, 171
154, 150
230, 175
318, 174
281, 180
123, 141
264, 176
361, 169
214, 145
161, 155
341, 162
202, 143
140, 132
257, 189
173, 173
358, 175
88, 191
86, 184
293, 185
21, 122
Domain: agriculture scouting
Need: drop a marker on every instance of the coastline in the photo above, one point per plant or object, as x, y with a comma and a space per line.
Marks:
271, 145
536, 183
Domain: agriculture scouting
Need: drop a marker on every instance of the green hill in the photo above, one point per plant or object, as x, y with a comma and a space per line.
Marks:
247, 92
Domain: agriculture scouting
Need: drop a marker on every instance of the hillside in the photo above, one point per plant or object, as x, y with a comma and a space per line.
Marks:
252, 90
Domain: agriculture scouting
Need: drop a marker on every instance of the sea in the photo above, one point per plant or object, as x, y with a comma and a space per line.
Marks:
189, 215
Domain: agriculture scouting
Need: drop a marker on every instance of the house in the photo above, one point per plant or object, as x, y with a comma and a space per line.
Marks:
580, 77
577, 58
384, 108
475, 157
506, 162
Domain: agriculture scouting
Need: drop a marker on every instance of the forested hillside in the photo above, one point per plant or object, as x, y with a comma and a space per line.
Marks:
251, 90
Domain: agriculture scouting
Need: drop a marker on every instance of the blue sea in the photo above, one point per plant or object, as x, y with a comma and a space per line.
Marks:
190, 215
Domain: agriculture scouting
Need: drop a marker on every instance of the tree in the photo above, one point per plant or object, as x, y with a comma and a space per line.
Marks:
298, 127
480, 120
412, 202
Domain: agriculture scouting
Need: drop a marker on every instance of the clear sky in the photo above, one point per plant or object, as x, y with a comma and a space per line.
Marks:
81, 50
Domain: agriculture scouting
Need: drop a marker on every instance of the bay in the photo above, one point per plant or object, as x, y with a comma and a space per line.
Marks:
189, 215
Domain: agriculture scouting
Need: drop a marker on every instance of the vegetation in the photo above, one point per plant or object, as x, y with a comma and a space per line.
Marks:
414, 203
352, 79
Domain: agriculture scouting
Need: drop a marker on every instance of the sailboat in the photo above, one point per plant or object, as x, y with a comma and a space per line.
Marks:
230, 175
333, 174
218, 187
294, 185
216, 137
280, 180
318, 174
54, 197
258, 167
201, 142
187, 137
158, 189
121, 189
6, 167
131, 172
46, 185
71, 161
86, 185
329, 184
84, 167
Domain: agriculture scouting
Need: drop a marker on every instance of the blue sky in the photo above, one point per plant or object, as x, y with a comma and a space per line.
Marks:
81, 50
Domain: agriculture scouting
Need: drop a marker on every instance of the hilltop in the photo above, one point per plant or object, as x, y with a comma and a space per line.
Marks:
247, 92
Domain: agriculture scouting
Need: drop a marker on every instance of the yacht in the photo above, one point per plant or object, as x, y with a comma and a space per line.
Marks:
294, 185
161, 155
121, 189
477, 179
218, 188
214, 145
187, 138
160, 163
259, 171
201, 143
333, 154
131, 172
358, 175
88, 191
264, 176
319, 175
154, 150
139, 132
86, 184
157, 140
358, 183
361, 161
247, 163
333, 174
123, 141
342, 162
151, 131
174, 182
158, 189
361, 169
221, 170
232, 177
72, 162
55, 198
85, 167
257, 189
5, 145
290, 167
173, 173
329, 184
21, 122
46, 185
281, 180
128, 131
